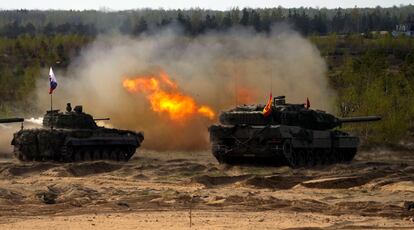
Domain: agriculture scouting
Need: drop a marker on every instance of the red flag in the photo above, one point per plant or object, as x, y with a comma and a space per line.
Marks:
267, 110
307, 103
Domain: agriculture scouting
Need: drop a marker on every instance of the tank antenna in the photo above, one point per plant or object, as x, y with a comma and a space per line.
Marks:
271, 79
51, 110
235, 84
271, 83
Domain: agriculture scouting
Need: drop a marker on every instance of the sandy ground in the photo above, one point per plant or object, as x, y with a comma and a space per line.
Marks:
162, 190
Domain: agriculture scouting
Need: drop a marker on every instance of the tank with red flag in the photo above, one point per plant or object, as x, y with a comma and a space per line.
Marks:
283, 133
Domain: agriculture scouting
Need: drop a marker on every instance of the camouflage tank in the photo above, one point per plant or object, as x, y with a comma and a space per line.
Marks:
291, 134
74, 136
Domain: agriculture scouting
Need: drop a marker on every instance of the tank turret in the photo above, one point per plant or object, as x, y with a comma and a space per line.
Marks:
75, 119
287, 114
290, 133
74, 136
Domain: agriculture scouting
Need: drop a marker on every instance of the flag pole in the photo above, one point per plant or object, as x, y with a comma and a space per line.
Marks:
51, 109
51, 100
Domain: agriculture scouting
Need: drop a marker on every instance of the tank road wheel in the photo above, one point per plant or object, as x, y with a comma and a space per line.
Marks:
124, 154
302, 158
332, 158
340, 154
289, 154
78, 155
105, 154
324, 156
328, 157
310, 158
96, 155
114, 154
21, 156
66, 153
318, 154
87, 155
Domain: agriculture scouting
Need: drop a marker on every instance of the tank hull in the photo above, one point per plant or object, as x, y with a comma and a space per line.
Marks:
281, 145
68, 145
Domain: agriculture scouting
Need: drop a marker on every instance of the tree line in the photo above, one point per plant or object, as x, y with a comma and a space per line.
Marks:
14, 23
372, 76
21, 63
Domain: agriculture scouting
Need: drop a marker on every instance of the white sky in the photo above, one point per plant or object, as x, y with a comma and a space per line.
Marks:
206, 4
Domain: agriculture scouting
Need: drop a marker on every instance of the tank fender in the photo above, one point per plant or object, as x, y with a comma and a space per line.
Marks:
131, 140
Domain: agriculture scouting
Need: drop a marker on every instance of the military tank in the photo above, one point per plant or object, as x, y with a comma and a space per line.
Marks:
74, 136
291, 134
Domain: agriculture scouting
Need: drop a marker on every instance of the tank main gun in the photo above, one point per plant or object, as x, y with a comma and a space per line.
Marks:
11, 120
102, 119
359, 119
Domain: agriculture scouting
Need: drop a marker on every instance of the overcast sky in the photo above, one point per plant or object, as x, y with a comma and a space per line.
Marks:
206, 4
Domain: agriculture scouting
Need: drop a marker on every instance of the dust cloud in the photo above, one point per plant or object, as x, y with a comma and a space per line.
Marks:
216, 69
6, 134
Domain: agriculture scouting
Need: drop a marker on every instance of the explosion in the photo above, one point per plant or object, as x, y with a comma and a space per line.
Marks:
165, 97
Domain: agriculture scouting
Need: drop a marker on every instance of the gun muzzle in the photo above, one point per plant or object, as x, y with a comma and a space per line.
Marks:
360, 119
102, 119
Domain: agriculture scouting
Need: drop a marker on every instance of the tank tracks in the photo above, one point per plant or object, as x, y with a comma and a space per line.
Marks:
310, 158
297, 158
83, 153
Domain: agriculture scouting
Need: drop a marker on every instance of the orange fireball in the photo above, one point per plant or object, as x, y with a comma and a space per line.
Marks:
165, 97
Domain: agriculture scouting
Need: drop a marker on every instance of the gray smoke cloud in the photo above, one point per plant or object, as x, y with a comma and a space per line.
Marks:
216, 69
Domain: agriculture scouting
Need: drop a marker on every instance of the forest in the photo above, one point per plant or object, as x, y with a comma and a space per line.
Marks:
372, 73
308, 21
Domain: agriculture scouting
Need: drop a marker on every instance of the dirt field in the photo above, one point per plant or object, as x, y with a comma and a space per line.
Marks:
157, 190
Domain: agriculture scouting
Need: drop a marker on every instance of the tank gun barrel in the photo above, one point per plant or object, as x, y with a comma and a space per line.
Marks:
11, 120
102, 119
359, 119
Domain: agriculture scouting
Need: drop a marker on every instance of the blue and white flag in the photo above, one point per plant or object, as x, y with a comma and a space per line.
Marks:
53, 82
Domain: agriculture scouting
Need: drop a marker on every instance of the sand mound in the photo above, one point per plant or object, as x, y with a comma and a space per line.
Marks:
370, 208
10, 196
275, 182
26, 170
336, 182
186, 167
210, 181
140, 176
57, 172
74, 194
89, 168
399, 186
